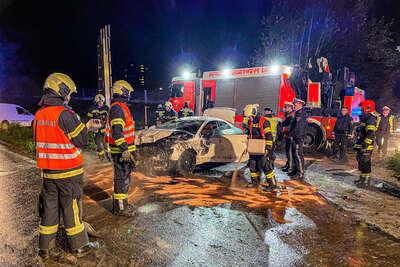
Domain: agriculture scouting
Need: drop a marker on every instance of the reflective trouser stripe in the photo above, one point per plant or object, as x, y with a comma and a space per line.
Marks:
366, 175
120, 196
255, 174
48, 230
79, 227
115, 150
100, 153
63, 174
270, 175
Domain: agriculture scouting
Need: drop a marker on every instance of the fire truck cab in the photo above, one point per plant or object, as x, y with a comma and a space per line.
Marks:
268, 86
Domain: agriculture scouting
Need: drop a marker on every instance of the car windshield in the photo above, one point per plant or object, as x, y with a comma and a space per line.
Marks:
177, 90
191, 126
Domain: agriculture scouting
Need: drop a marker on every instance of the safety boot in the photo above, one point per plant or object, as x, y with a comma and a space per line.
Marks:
293, 173
83, 251
360, 181
129, 211
44, 254
254, 183
285, 168
271, 185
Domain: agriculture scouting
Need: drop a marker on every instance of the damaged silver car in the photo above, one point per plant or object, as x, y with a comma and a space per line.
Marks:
183, 144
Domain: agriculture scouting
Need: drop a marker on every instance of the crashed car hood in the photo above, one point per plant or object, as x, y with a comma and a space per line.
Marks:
151, 135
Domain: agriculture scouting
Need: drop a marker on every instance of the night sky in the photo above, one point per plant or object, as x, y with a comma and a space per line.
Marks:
61, 36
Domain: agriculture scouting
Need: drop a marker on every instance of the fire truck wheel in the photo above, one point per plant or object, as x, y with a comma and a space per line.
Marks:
312, 139
187, 163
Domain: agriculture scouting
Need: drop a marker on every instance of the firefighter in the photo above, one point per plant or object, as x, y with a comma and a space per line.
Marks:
169, 114
260, 128
59, 137
296, 133
99, 112
342, 130
274, 127
159, 114
120, 136
289, 114
384, 129
185, 111
365, 141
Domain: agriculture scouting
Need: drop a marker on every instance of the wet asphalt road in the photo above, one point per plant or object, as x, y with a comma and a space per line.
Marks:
194, 221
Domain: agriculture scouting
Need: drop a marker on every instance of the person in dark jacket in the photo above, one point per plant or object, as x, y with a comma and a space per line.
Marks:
289, 114
169, 114
365, 141
385, 128
343, 130
159, 114
185, 111
296, 133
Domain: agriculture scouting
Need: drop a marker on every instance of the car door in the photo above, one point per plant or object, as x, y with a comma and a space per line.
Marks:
207, 142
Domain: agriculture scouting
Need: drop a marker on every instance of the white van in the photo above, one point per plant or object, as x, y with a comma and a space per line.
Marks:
11, 113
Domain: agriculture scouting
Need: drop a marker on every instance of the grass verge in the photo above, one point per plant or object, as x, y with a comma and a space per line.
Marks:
21, 137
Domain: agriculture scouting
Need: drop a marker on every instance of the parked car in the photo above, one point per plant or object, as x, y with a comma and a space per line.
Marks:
11, 113
182, 144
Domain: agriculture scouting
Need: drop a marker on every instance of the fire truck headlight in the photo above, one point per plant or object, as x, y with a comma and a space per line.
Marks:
186, 75
275, 68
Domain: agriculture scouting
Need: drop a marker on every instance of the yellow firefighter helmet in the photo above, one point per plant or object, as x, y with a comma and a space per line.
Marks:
98, 98
60, 83
250, 110
168, 104
122, 87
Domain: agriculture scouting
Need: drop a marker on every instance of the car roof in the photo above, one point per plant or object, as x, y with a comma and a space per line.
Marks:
200, 118
11, 105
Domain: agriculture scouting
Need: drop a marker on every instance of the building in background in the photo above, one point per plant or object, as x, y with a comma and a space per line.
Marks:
137, 75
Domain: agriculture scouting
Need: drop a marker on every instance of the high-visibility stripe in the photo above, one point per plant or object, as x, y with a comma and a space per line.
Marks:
63, 174
77, 130
79, 227
370, 128
90, 115
366, 175
129, 134
270, 175
100, 153
255, 174
357, 146
75, 230
54, 146
129, 128
368, 141
117, 121
48, 230
58, 156
120, 141
120, 196
370, 148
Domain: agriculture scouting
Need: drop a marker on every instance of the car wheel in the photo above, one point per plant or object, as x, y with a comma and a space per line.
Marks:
187, 163
4, 125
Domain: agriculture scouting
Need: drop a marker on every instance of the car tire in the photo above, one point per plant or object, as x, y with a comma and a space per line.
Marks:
4, 125
186, 163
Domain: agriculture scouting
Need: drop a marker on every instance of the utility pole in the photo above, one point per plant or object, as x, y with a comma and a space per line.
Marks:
104, 63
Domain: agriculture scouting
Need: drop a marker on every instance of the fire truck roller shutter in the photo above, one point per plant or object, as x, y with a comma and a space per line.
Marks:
224, 93
261, 90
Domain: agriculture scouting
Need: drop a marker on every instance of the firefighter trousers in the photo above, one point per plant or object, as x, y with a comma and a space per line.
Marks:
100, 144
289, 155
122, 181
298, 156
382, 141
62, 197
340, 145
258, 164
364, 163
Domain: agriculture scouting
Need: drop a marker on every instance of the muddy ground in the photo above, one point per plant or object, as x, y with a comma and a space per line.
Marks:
203, 221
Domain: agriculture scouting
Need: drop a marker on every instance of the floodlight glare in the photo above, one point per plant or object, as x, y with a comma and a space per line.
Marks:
186, 75
275, 68
226, 72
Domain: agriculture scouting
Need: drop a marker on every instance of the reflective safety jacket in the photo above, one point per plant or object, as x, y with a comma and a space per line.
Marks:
169, 116
160, 113
54, 150
120, 129
273, 122
99, 114
366, 132
385, 124
260, 128
185, 112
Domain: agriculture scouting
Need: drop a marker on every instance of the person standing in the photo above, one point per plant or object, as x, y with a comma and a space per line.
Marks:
99, 112
296, 133
60, 136
120, 136
159, 114
365, 141
342, 130
289, 114
259, 128
273, 122
185, 111
384, 129
169, 114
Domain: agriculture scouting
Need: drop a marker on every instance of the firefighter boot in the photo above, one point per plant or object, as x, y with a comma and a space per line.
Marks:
286, 167
44, 254
254, 182
360, 181
271, 184
83, 251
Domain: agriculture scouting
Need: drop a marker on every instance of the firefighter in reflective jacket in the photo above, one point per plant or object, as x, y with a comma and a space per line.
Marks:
384, 129
289, 114
120, 137
185, 111
159, 114
365, 141
260, 128
273, 122
169, 114
59, 137
99, 112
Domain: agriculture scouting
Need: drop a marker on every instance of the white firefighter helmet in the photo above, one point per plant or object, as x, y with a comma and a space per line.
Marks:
60, 83
250, 110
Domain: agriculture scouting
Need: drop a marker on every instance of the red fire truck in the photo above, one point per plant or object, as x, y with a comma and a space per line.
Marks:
268, 86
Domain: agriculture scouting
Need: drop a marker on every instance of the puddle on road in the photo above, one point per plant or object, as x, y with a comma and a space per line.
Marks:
298, 227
